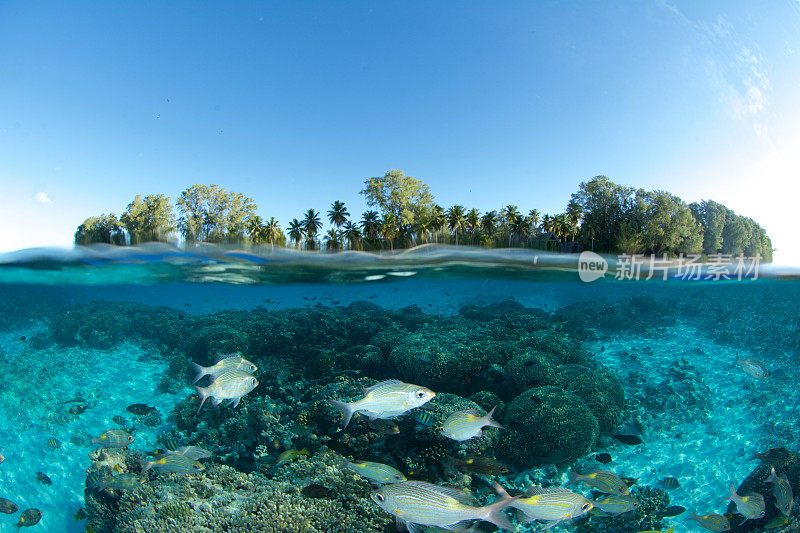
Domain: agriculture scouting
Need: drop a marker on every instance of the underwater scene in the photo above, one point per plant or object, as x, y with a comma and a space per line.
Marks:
165, 390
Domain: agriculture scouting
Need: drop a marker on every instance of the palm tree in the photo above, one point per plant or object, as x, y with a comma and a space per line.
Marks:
332, 241
352, 235
519, 226
422, 226
438, 218
389, 229
338, 214
271, 231
489, 224
455, 220
473, 222
255, 228
296, 232
370, 226
534, 217
311, 225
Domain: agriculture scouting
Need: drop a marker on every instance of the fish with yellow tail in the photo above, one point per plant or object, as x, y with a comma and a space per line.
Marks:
750, 505
711, 521
602, 480
224, 363
386, 399
230, 385
416, 504
782, 490
466, 424
378, 473
173, 464
553, 505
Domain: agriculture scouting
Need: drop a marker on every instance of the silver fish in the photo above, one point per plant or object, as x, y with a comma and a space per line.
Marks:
124, 481
386, 399
463, 425
753, 368
712, 522
230, 385
378, 473
614, 505
173, 464
416, 504
230, 362
782, 491
602, 480
114, 438
552, 504
191, 452
750, 505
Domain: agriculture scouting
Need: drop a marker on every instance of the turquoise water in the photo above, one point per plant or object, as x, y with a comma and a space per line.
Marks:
650, 360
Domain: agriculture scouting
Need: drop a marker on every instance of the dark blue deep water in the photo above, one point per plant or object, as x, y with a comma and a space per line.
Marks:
638, 378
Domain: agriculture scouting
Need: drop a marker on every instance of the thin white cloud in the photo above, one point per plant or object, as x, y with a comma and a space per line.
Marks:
42, 198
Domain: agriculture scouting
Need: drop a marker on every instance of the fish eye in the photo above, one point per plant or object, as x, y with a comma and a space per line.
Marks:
379, 496
585, 507
253, 368
420, 394
398, 476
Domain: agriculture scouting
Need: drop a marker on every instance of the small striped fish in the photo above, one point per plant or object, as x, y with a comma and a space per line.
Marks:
426, 418
230, 385
378, 473
171, 444
386, 399
753, 368
120, 421
191, 452
463, 425
53, 442
553, 505
670, 483
173, 464
712, 522
602, 480
125, 481
751, 505
114, 438
613, 504
227, 362
415, 503
782, 491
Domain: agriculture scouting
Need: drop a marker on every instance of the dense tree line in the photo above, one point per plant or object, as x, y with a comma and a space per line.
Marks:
601, 216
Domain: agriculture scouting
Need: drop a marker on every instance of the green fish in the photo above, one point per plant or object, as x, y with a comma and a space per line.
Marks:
291, 455
29, 517
614, 505
466, 424
53, 442
121, 421
602, 480
386, 399
378, 473
124, 481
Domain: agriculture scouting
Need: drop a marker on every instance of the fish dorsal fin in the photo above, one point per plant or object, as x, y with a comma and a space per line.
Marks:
536, 490
220, 356
380, 384
458, 495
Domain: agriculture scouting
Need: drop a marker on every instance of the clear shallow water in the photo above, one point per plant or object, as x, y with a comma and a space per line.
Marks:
639, 331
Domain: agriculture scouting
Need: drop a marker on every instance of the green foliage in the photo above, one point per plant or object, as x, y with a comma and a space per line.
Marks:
102, 229
151, 218
398, 196
212, 214
723, 231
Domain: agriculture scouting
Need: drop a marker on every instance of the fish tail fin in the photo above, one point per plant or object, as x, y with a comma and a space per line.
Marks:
346, 409
146, 465
491, 421
772, 475
200, 371
732, 494
574, 477
203, 394
494, 512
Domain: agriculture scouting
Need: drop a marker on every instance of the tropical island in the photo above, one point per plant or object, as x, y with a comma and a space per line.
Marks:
601, 215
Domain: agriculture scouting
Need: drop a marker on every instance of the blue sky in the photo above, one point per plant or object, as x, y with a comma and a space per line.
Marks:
297, 103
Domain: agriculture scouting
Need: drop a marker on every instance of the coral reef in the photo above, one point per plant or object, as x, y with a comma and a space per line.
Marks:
647, 517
